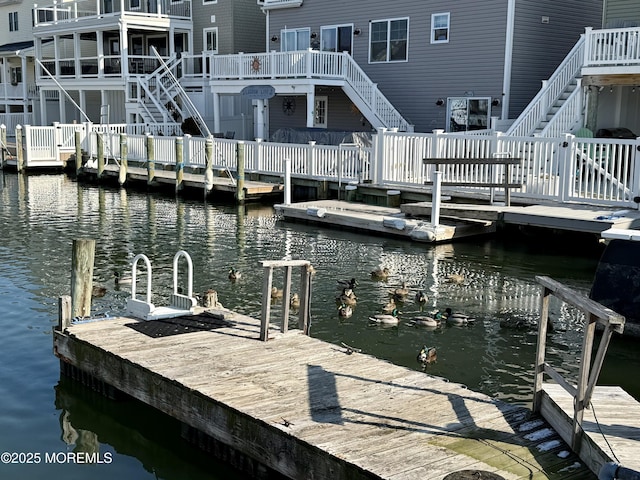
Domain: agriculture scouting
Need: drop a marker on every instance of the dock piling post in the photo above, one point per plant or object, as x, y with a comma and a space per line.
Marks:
208, 172
100, 147
287, 181
435, 198
78, 145
124, 151
19, 150
240, 170
151, 159
179, 163
3, 144
82, 276
64, 312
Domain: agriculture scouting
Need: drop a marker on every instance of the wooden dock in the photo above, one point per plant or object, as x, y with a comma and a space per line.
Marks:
389, 221
309, 409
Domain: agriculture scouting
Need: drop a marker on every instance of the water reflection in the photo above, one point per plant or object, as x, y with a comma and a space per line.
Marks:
41, 215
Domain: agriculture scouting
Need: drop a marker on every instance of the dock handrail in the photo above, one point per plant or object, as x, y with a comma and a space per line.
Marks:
595, 313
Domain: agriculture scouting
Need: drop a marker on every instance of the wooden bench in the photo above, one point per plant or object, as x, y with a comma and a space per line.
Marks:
505, 183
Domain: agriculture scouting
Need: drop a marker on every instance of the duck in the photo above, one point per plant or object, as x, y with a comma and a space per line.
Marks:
347, 297
276, 292
456, 278
345, 311
380, 273
458, 318
348, 283
98, 291
390, 306
424, 321
294, 302
421, 298
385, 318
122, 279
311, 270
427, 355
401, 293
234, 275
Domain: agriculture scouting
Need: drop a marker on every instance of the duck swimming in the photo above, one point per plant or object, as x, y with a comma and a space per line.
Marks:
380, 273
98, 291
401, 293
424, 321
295, 301
427, 355
458, 319
122, 279
347, 297
386, 319
421, 298
348, 283
276, 292
390, 306
234, 275
345, 311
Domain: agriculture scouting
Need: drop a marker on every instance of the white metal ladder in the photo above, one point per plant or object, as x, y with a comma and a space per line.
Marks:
179, 304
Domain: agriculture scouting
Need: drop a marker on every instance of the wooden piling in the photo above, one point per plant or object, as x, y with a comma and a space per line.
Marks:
3, 140
124, 152
82, 276
208, 173
240, 170
100, 145
151, 159
78, 145
19, 150
179, 164
64, 312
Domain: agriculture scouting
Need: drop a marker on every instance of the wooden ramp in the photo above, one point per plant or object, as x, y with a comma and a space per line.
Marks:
310, 409
389, 221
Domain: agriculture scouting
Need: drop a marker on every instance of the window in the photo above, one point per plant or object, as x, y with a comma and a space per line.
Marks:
389, 40
210, 39
295, 39
320, 112
468, 113
209, 2
13, 21
336, 39
16, 75
440, 28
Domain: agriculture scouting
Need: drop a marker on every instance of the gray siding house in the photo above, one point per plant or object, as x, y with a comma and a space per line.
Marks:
442, 65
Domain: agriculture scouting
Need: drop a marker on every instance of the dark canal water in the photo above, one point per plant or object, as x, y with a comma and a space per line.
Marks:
44, 414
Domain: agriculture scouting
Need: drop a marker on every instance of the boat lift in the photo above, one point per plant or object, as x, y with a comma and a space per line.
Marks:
179, 305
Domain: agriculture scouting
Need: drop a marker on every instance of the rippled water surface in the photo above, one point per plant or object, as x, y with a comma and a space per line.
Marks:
42, 214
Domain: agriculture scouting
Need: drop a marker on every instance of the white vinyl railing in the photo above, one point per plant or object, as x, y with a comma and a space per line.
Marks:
612, 47
602, 171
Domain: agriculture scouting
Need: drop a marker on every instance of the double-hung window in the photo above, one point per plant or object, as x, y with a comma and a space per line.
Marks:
389, 40
13, 21
210, 39
440, 28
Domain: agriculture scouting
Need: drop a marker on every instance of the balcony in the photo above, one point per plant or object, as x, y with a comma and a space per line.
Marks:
275, 4
616, 49
63, 13
106, 66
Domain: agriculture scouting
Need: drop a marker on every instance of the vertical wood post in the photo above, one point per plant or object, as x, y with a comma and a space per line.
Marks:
538, 368
305, 292
286, 296
151, 159
124, 152
19, 150
179, 163
287, 181
266, 303
240, 171
64, 312
208, 172
100, 153
82, 277
583, 379
78, 145
3, 139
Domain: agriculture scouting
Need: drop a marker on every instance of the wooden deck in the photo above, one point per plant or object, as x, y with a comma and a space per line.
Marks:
611, 424
382, 220
309, 409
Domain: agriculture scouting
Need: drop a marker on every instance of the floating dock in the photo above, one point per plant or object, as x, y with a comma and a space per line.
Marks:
309, 409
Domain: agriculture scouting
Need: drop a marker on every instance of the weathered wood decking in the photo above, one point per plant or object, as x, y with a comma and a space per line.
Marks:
309, 409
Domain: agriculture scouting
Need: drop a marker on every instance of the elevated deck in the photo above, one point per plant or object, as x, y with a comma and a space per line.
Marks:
309, 409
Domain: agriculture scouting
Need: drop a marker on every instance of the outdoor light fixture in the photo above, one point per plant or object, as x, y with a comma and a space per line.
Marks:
274, 38
440, 102
357, 31
314, 35
495, 102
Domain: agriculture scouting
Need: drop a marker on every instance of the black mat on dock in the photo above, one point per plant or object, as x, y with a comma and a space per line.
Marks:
175, 326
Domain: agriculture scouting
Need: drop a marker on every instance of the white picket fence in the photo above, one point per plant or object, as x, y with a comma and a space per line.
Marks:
565, 169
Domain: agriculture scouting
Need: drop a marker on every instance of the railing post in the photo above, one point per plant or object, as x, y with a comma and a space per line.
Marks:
567, 165
378, 157
151, 159
588, 41
124, 151
78, 145
179, 163
287, 181
311, 159
635, 179
309, 62
100, 153
240, 171
19, 149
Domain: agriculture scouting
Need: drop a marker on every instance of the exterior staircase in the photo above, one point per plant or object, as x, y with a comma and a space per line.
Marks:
558, 106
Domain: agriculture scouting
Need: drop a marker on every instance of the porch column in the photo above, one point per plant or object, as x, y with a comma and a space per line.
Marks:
77, 52
591, 107
82, 99
100, 53
43, 108
216, 112
124, 52
311, 107
25, 76
62, 108
259, 118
